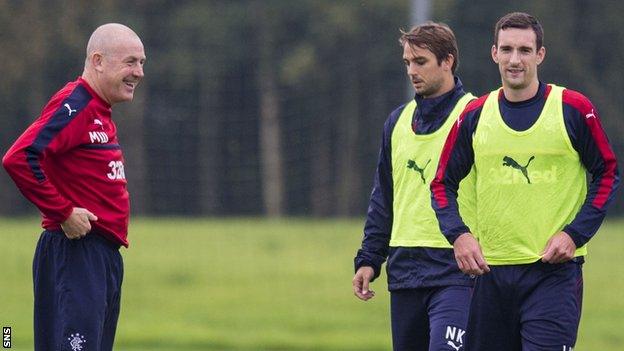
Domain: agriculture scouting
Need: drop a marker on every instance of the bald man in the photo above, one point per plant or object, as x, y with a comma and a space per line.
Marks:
69, 164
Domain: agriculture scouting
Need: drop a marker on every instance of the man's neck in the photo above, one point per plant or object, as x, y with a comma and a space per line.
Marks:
517, 95
88, 77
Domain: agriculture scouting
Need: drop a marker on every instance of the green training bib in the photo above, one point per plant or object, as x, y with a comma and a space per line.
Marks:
529, 184
414, 163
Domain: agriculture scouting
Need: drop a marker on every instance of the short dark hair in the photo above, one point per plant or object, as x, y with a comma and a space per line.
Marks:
435, 37
520, 20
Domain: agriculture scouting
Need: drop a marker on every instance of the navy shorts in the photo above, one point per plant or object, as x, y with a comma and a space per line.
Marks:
531, 307
77, 289
430, 319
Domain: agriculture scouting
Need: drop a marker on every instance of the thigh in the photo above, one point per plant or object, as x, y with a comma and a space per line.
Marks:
448, 316
82, 301
551, 311
45, 270
493, 323
410, 323
113, 306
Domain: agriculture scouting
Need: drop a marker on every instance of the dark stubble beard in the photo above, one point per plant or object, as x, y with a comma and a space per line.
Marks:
432, 89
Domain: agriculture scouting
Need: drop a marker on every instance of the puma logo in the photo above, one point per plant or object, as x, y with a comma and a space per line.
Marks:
452, 344
70, 109
99, 123
454, 335
510, 162
412, 164
590, 115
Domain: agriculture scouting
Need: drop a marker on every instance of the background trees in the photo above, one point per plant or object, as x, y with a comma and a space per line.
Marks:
276, 107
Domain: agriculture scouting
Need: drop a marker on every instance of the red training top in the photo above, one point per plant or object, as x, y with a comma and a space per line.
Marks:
70, 157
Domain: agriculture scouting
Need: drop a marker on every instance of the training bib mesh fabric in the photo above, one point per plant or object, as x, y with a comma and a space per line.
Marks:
414, 163
529, 184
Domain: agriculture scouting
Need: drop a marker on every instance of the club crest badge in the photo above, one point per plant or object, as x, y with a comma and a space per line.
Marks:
76, 341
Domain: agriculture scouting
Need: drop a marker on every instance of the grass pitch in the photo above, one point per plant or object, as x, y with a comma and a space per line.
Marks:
257, 284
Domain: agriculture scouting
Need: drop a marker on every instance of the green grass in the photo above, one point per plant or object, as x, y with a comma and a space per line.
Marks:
255, 284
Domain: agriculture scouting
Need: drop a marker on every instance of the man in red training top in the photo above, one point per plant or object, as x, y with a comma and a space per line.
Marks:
70, 165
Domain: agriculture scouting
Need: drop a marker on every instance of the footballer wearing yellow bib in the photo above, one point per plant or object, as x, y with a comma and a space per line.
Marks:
429, 295
529, 146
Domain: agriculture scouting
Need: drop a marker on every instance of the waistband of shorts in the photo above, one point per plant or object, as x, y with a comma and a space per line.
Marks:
92, 235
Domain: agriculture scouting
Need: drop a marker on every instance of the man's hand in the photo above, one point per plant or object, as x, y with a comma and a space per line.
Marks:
361, 280
469, 256
77, 225
560, 248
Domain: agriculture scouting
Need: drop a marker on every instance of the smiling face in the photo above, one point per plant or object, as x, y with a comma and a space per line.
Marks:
121, 70
428, 78
114, 64
517, 56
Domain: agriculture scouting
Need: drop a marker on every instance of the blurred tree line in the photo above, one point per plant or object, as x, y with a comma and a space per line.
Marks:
276, 107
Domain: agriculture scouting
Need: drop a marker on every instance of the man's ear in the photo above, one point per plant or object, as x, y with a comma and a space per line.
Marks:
541, 55
448, 62
97, 61
494, 53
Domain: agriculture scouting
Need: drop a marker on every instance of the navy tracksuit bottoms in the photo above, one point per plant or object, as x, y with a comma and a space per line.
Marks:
530, 307
429, 319
77, 290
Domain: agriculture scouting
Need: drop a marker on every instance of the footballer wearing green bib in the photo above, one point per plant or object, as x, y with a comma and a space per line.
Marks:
529, 146
429, 295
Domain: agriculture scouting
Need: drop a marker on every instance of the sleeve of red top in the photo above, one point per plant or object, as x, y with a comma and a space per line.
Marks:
591, 142
456, 160
54, 132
